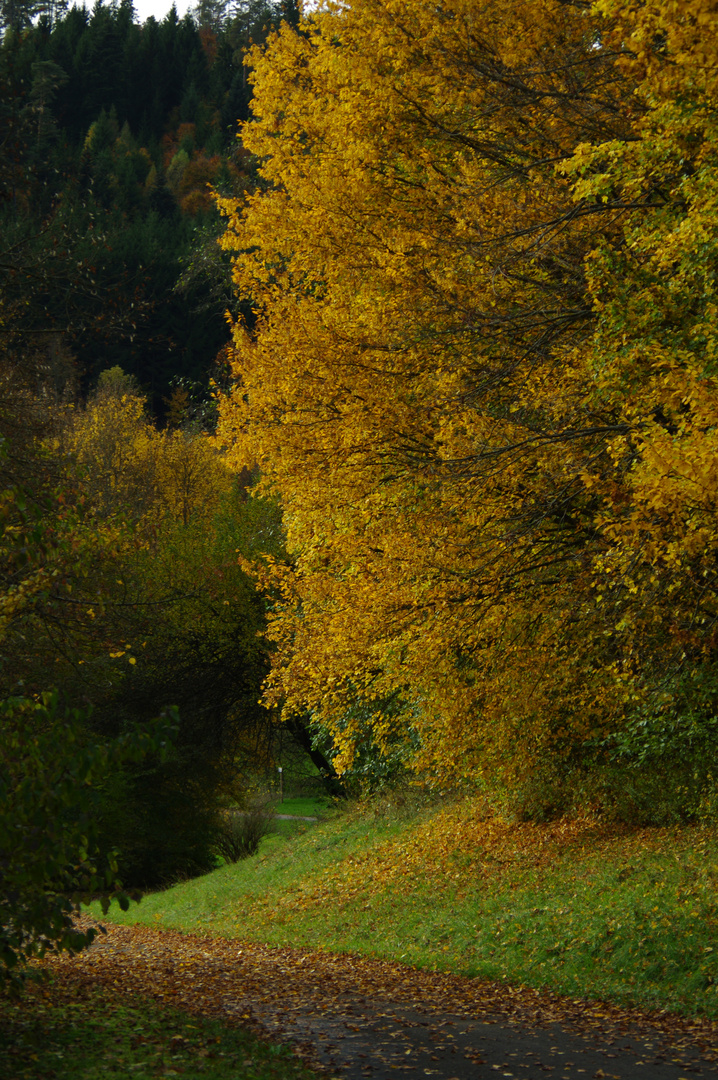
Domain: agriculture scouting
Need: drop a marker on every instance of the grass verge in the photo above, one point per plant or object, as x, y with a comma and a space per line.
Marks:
75, 1033
629, 915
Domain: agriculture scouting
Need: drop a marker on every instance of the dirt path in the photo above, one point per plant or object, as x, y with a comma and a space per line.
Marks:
363, 1019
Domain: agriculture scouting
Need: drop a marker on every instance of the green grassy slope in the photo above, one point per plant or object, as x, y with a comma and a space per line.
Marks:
619, 914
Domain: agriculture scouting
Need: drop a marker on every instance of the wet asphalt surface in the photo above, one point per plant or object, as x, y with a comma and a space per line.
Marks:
396, 1040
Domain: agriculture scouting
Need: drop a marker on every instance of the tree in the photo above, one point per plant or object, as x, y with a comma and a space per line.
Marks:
417, 387
653, 357
54, 768
51, 774
17, 15
164, 613
79, 580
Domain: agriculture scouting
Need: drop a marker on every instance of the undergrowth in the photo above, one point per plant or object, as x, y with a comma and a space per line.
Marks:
584, 908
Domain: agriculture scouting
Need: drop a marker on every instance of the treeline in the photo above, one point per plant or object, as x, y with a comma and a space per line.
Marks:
111, 134
121, 596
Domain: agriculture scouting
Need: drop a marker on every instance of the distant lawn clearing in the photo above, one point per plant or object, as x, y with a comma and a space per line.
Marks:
574, 906
305, 806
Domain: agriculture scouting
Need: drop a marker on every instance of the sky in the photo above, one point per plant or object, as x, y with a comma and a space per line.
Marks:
159, 8
145, 8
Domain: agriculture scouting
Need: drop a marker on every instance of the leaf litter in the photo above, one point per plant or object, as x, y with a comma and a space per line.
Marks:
356, 1017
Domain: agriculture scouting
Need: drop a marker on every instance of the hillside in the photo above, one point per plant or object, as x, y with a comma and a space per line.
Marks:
576, 906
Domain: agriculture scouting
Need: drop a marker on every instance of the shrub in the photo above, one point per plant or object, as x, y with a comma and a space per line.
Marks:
51, 775
242, 830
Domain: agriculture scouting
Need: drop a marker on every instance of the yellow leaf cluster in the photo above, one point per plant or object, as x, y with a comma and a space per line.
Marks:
135, 472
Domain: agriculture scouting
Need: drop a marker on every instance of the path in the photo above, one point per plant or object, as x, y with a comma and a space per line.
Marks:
362, 1019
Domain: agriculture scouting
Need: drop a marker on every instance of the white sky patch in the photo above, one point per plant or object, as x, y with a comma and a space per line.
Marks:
158, 8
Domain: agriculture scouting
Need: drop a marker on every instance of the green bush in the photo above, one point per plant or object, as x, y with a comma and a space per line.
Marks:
660, 768
242, 830
51, 776
162, 818
650, 792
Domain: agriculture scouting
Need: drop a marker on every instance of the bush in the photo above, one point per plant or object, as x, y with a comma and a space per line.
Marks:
242, 830
162, 818
652, 791
51, 775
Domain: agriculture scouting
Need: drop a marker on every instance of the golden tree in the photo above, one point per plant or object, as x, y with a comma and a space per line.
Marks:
132, 470
421, 383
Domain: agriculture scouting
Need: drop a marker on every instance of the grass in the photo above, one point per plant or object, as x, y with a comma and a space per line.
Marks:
616, 914
52, 1035
320, 808
306, 806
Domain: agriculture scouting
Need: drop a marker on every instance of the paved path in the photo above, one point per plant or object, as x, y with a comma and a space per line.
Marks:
360, 1042
363, 1019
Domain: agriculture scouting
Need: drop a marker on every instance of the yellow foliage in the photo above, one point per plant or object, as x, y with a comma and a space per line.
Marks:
480, 376
656, 343
416, 269
135, 472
